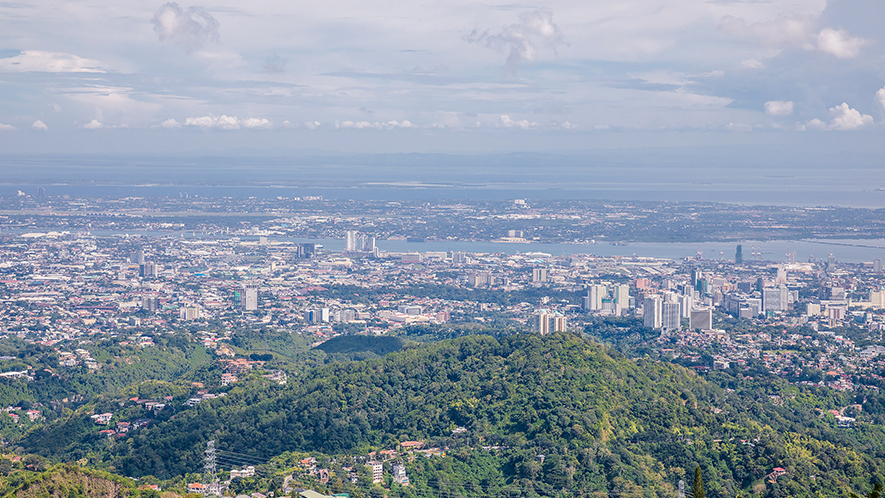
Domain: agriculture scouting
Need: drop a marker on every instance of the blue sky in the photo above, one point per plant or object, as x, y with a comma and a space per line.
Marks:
457, 76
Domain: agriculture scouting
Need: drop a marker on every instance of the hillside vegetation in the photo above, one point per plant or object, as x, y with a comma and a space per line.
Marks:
603, 423
70, 481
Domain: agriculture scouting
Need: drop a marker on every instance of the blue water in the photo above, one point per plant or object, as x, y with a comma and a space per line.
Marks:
847, 251
844, 250
757, 175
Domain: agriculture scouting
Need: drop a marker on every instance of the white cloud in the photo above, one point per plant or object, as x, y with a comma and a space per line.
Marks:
224, 122
188, 28
522, 39
779, 108
49, 62
506, 122
843, 118
752, 64
39, 125
94, 125
256, 123
170, 123
846, 118
782, 32
839, 43
880, 97
6, 127
795, 31
360, 125
312, 124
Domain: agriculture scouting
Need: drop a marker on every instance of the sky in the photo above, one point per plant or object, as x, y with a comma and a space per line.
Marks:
455, 76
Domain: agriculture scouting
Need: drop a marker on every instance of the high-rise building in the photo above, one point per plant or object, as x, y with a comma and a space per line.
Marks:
355, 242
670, 317
775, 298
696, 275
877, 265
350, 241
480, 279
877, 298
701, 319
739, 254
831, 263
652, 312
545, 322
147, 269
832, 292
306, 250
137, 257
621, 295
539, 275
150, 303
250, 297
593, 300
189, 313
686, 303
368, 243
318, 315
781, 275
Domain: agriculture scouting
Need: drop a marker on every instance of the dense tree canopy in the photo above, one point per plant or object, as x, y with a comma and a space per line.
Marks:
602, 422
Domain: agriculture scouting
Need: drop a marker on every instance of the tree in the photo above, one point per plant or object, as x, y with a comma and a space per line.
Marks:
697, 487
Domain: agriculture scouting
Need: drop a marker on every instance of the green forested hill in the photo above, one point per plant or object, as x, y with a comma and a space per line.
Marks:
604, 423
69, 481
356, 345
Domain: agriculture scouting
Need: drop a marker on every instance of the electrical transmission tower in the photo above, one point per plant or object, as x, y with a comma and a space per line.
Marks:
211, 479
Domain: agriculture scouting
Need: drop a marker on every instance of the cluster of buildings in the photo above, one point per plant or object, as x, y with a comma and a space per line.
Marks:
371, 467
70, 286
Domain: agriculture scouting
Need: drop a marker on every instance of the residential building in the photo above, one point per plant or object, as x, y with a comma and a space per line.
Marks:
377, 471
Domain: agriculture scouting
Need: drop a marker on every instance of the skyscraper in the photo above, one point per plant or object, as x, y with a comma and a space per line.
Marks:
670, 317
351, 241
652, 312
696, 275
739, 254
250, 297
775, 298
595, 294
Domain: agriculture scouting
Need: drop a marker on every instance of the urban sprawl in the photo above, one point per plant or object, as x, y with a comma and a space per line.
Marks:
809, 322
